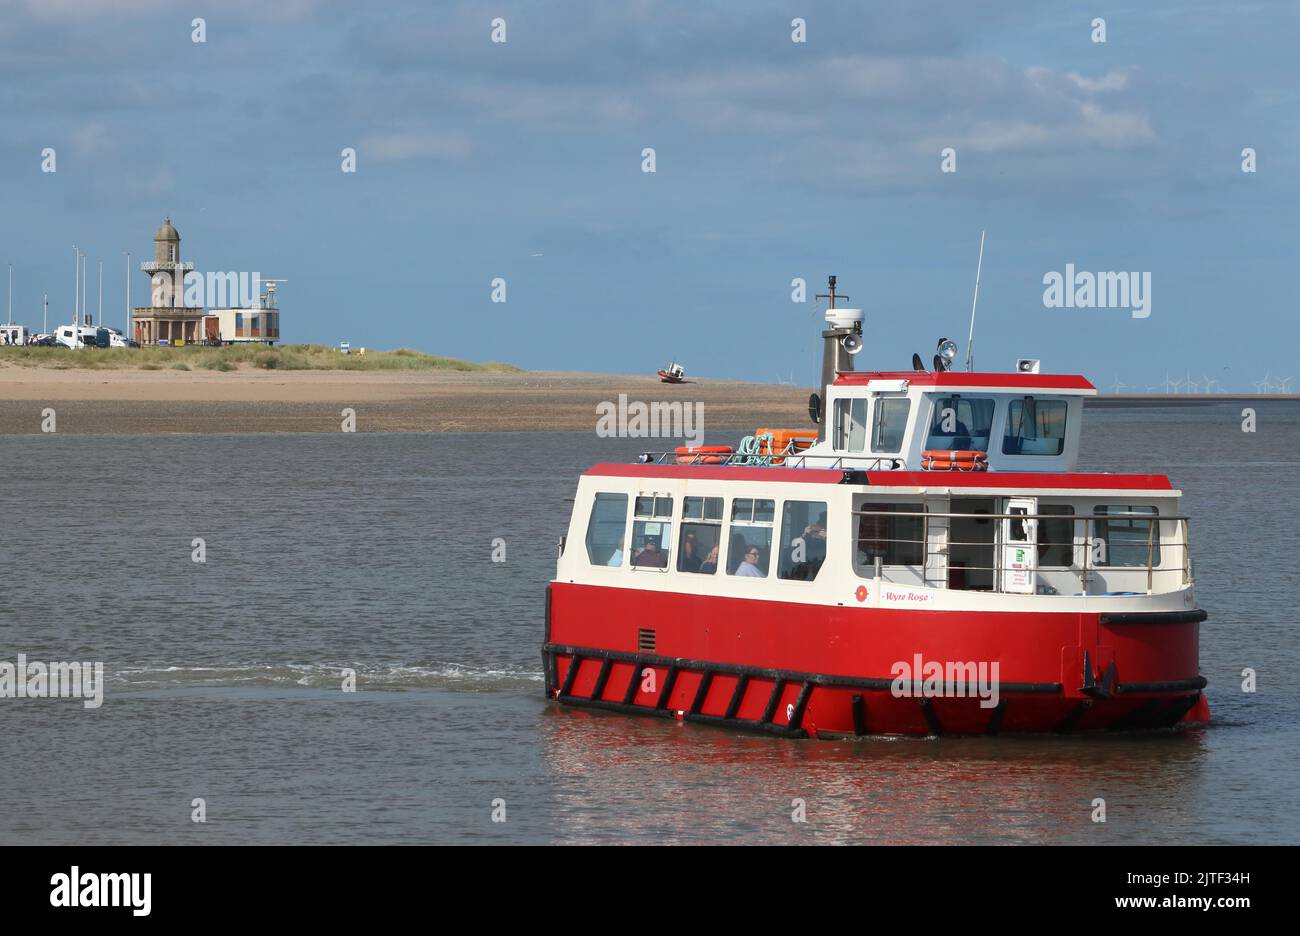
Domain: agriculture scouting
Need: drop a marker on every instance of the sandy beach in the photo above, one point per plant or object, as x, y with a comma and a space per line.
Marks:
250, 400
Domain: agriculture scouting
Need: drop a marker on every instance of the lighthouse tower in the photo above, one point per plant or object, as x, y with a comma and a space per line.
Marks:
167, 319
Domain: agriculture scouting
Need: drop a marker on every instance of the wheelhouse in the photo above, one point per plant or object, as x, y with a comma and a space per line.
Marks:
1019, 422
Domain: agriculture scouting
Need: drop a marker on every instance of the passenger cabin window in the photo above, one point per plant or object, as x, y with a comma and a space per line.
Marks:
851, 425
605, 529
803, 540
890, 424
1035, 427
1056, 536
701, 535
750, 548
652, 532
896, 540
961, 423
1127, 539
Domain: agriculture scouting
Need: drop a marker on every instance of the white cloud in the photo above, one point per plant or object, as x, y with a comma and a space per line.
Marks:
90, 140
416, 144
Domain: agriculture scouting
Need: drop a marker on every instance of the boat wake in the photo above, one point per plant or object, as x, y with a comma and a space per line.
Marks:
369, 677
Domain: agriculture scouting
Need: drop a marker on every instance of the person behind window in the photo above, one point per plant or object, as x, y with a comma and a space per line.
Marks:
617, 558
749, 564
959, 431
688, 561
813, 541
735, 553
650, 555
710, 563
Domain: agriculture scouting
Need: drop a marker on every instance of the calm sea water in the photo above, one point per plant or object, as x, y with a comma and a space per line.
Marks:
374, 552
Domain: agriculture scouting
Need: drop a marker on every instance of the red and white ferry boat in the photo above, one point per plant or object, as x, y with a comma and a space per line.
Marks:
932, 564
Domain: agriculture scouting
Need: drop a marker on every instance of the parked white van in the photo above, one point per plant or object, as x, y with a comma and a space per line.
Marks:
13, 335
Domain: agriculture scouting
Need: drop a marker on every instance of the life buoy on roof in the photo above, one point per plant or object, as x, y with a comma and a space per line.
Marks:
702, 454
954, 460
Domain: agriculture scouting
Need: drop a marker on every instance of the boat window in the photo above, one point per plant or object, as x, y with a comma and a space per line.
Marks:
803, 540
1035, 427
961, 423
654, 505
897, 540
701, 535
890, 423
652, 539
749, 551
1056, 536
850, 424
1126, 537
605, 529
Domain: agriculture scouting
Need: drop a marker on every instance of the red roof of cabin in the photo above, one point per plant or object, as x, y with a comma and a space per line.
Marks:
1021, 480
1014, 381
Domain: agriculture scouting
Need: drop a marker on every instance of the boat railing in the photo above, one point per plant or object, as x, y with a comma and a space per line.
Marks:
1086, 570
779, 460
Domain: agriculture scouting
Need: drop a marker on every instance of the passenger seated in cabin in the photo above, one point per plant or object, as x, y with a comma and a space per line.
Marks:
651, 556
735, 553
687, 560
749, 563
616, 558
814, 541
807, 552
710, 563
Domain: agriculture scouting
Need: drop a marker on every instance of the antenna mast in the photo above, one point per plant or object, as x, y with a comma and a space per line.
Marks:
830, 295
970, 338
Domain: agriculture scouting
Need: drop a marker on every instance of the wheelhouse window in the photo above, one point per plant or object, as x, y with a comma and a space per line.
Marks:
701, 535
1056, 536
961, 423
1035, 427
851, 424
749, 550
889, 424
652, 531
1128, 539
605, 529
895, 540
803, 540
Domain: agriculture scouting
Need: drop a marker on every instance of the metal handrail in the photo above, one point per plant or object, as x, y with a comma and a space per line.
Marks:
1016, 516
1089, 521
787, 459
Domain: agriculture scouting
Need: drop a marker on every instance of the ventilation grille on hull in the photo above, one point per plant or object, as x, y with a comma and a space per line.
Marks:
645, 640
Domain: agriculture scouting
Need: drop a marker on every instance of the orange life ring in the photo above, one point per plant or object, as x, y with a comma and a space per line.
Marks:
702, 454
954, 460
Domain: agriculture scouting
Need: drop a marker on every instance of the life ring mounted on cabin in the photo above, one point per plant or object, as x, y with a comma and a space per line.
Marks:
954, 460
702, 454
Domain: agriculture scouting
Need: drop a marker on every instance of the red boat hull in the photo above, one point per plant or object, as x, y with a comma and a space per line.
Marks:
670, 378
805, 670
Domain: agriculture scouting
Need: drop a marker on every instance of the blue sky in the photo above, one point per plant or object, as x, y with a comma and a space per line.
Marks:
774, 160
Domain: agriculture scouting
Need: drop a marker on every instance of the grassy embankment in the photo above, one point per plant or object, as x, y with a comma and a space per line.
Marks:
236, 357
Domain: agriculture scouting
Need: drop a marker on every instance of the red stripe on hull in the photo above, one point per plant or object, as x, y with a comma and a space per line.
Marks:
829, 655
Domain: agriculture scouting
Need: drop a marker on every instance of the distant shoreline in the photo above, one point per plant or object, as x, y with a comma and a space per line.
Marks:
249, 399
